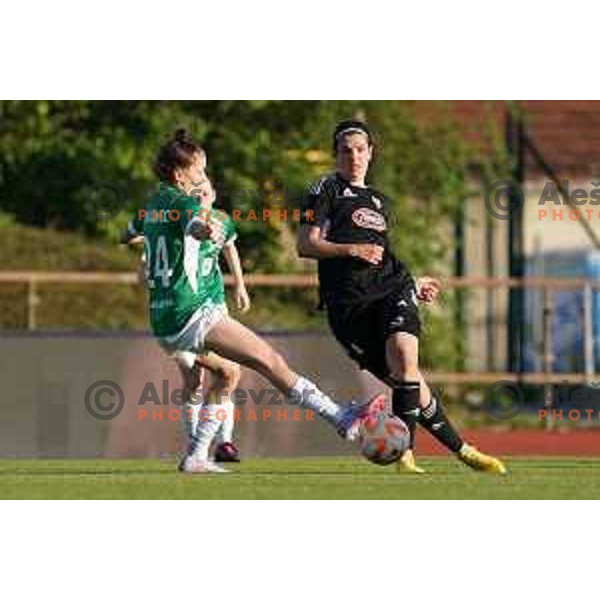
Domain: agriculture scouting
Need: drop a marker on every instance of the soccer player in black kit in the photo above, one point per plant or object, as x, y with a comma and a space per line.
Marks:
370, 296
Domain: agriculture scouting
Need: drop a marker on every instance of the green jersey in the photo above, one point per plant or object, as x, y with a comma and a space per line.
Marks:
210, 271
182, 273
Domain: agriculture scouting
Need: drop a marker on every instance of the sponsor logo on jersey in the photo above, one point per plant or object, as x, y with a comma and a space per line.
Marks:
369, 219
347, 193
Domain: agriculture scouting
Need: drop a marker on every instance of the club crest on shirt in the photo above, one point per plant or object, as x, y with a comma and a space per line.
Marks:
369, 219
376, 202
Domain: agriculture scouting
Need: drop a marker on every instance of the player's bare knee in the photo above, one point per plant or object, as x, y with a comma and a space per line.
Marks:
192, 380
402, 362
401, 374
402, 359
231, 376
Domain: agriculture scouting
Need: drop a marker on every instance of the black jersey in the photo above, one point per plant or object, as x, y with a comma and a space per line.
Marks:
348, 214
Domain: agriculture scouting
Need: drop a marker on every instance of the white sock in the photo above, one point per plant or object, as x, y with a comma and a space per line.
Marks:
207, 427
312, 397
225, 434
189, 418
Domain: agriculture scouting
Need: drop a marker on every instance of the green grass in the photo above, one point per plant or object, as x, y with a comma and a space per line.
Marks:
302, 478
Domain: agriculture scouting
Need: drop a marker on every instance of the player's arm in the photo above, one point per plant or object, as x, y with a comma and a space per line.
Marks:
317, 209
232, 257
133, 235
136, 241
311, 244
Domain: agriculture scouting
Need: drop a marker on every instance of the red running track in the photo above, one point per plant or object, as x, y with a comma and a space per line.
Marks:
521, 443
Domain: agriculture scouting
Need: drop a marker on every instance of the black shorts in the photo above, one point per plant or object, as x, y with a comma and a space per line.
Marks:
364, 330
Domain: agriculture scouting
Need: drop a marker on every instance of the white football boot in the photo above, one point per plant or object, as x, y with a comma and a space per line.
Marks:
191, 464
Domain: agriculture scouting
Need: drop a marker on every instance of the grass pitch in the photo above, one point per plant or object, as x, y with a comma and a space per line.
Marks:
297, 478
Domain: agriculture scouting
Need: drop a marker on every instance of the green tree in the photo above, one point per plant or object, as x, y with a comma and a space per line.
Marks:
261, 154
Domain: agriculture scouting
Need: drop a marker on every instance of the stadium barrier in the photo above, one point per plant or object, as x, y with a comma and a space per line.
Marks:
110, 395
45, 375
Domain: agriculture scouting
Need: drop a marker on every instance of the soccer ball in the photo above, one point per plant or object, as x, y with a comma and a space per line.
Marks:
383, 438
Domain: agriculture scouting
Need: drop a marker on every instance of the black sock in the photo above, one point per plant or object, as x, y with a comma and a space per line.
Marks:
434, 419
405, 405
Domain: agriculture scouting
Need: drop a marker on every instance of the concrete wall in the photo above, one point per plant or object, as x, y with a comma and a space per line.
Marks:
45, 379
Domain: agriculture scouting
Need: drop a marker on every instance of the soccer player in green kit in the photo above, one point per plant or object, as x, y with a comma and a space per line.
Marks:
187, 312
224, 374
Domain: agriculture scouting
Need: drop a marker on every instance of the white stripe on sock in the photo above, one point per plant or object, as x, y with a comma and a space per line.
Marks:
429, 411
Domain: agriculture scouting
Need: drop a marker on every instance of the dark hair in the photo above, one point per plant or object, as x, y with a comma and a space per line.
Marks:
178, 153
350, 126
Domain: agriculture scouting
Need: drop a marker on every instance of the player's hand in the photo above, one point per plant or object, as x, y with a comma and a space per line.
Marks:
428, 289
242, 299
215, 232
210, 229
370, 253
199, 229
